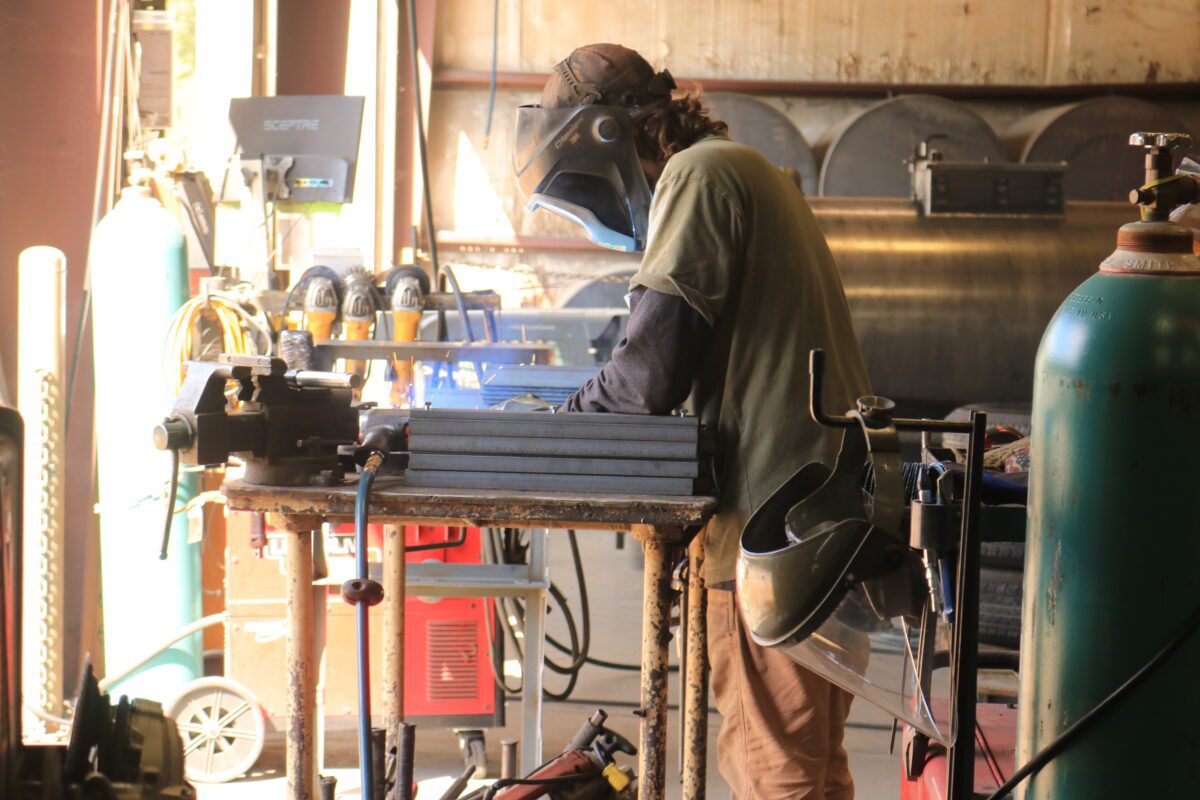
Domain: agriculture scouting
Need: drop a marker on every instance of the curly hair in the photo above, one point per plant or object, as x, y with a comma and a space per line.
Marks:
677, 125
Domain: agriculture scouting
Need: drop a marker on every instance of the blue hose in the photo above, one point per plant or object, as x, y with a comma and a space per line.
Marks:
362, 609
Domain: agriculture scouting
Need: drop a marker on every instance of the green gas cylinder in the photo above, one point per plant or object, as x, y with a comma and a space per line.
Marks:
139, 280
1113, 544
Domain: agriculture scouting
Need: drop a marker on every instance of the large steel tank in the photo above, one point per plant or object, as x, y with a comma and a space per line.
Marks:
949, 310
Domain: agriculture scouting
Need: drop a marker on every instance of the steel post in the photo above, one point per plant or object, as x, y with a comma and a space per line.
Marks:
656, 636
695, 694
535, 650
301, 669
394, 568
960, 779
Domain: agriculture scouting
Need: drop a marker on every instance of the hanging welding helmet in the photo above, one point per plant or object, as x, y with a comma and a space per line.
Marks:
575, 155
825, 574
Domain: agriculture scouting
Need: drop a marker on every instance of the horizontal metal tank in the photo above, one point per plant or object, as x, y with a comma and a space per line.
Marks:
863, 155
950, 310
1092, 138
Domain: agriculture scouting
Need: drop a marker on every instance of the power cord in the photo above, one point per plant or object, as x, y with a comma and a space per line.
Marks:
1064, 739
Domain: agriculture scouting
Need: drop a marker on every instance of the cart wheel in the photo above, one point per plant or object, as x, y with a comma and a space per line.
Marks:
474, 751
222, 727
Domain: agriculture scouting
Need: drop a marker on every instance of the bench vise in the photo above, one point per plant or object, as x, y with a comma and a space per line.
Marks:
285, 424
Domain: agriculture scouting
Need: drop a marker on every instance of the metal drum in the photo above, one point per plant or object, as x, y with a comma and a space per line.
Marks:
769, 131
864, 154
1092, 137
950, 310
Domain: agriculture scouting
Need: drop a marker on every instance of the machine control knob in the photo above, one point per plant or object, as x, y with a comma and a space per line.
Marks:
173, 433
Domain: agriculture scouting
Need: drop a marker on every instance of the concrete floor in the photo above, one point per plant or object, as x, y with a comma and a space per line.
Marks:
614, 586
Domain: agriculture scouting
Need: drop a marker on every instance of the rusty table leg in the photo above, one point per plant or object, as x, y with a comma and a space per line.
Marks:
301, 668
393, 630
695, 732
656, 636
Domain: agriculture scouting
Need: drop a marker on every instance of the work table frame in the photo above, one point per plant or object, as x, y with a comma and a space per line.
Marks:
661, 523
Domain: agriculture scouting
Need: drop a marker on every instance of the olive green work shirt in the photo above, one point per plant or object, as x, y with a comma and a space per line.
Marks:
734, 237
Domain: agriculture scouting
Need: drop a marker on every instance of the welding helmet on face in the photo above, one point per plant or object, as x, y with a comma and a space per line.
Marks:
576, 156
825, 575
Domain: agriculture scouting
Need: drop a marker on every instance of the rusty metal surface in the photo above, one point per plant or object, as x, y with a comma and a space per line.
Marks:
656, 635
301, 666
695, 731
393, 631
393, 501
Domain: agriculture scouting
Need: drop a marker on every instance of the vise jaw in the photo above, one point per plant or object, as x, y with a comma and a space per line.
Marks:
285, 424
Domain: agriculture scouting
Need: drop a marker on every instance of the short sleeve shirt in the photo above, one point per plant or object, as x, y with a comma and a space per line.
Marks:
734, 237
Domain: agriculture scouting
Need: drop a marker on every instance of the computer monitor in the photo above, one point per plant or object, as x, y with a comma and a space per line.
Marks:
310, 141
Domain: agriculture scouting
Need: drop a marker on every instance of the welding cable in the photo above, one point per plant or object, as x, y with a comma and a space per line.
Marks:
511, 552
241, 333
1064, 739
459, 301
497, 666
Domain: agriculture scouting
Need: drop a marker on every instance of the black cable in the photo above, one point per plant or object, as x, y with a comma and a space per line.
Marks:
1060, 743
414, 48
468, 329
572, 673
487, 128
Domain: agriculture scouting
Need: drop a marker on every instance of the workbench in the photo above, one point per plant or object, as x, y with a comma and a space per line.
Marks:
659, 522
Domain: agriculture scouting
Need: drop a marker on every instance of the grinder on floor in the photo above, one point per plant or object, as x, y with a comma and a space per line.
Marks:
736, 285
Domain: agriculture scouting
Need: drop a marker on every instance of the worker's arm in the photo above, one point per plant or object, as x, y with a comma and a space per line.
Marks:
653, 367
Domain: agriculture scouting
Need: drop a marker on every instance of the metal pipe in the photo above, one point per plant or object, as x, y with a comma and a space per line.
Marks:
378, 765
302, 695
656, 636
508, 758
960, 779
393, 631
534, 81
327, 380
382, 181
695, 728
455, 789
406, 740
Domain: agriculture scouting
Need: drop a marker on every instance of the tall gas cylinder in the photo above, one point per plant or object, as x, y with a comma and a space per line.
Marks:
1114, 535
139, 279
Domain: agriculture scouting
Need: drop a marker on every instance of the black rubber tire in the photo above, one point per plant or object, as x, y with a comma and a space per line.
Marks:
1006, 555
1000, 607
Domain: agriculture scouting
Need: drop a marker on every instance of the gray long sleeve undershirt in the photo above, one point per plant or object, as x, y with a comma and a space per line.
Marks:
652, 369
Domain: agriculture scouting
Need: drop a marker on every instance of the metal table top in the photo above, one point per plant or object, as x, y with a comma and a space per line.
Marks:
393, 501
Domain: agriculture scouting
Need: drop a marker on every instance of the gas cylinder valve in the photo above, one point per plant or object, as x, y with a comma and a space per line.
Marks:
1163, 191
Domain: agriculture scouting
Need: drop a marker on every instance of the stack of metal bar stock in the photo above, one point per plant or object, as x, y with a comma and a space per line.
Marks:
589, 453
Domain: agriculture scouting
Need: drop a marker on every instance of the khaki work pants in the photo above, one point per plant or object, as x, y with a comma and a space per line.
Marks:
781, 725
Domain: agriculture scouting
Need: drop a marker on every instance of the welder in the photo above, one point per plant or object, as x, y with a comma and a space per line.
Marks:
735, 286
